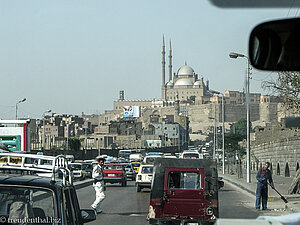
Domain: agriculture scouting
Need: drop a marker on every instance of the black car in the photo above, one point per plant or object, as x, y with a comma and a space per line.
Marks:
42, 196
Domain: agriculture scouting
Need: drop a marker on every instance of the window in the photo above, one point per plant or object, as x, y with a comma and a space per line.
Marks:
184, 180
147, 169
38, 202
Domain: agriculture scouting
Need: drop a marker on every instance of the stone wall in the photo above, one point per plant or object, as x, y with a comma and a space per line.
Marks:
276, 144
283, 154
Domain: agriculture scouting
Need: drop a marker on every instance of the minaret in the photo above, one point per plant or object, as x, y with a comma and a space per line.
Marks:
170, 62
163, 62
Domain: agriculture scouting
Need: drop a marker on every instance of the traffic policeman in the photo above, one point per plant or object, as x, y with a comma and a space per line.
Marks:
263, 176
98, 184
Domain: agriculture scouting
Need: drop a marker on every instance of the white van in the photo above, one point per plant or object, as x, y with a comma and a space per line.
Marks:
136, 157
149, 159
190, 155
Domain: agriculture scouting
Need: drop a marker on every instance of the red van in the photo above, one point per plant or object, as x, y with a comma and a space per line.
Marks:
184, 191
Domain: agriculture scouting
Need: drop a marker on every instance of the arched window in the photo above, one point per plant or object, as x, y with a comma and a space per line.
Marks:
271, 167
278, 169
297, 166
287, 170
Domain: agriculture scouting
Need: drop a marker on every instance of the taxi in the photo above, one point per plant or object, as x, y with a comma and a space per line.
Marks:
136, 165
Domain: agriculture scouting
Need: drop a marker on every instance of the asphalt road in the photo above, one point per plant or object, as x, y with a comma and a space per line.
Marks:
124, 206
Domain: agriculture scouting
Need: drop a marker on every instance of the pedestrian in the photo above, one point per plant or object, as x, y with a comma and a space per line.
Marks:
98, 184
263, 177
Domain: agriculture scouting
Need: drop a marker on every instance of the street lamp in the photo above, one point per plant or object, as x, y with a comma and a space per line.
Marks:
234, 56
128, 137
48, 111
223, 129
215, 128
22, 100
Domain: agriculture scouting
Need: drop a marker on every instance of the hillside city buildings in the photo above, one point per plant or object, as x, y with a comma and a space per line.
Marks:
187, 110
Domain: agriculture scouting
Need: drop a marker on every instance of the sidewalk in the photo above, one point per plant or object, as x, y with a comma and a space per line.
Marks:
275, 203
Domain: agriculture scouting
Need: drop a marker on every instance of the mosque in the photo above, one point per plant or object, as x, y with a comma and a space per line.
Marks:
185, 85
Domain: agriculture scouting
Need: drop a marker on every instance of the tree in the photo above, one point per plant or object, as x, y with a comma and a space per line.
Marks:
74, 144
240, 128
238, 132
287, 86
192, 98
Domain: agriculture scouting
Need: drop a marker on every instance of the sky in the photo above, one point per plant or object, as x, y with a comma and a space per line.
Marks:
74, 56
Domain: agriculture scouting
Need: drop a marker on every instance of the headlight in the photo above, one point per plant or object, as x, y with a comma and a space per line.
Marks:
209, 211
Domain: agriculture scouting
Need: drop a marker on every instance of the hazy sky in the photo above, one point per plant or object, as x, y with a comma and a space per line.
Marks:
75, 56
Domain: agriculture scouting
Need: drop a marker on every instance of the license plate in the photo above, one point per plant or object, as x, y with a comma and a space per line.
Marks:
111, 175
192, 224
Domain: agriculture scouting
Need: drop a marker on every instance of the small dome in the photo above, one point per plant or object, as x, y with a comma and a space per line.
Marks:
183, 82
170, 83
185, 71
197, 83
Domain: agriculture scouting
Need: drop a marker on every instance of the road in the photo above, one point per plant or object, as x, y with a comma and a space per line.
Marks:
123, 205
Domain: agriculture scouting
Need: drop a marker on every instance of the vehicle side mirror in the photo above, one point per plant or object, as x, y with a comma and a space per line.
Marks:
275, 45
87, 215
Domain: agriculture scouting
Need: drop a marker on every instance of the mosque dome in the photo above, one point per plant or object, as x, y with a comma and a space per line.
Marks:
183, 82
185, 71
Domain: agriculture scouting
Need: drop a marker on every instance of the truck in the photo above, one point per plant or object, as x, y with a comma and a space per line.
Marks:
184, 191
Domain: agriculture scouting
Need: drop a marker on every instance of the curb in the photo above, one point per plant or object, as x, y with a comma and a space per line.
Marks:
83, 184
288, 197
240, 186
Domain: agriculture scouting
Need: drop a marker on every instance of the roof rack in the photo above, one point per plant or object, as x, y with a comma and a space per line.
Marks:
39, 164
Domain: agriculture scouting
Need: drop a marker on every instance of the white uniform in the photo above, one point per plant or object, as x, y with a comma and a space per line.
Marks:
99, 187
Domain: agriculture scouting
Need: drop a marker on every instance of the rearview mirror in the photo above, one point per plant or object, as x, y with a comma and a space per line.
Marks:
275, 45
87, 215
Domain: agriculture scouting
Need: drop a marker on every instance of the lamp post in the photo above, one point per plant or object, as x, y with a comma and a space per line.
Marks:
128, 136
48, 111
223, 129
214, 149
234, 56
22, 100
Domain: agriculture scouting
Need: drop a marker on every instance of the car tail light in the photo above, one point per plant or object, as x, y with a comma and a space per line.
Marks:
139, 177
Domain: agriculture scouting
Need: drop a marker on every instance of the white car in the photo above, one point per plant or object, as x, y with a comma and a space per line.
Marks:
144, 177
78, 170
190, 154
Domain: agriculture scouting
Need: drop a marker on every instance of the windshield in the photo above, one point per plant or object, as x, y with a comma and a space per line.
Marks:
191, 156
136, 164
112, 167
147, 170
19, 203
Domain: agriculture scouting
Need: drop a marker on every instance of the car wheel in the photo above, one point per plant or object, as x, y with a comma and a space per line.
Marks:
138, 188
123, 184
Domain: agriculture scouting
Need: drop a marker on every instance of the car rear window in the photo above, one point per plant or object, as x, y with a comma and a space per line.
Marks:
191, 156
76, 167
184, 180
147, 169
113, 167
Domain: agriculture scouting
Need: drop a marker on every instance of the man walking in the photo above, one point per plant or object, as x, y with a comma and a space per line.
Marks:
263, 176
98, 184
